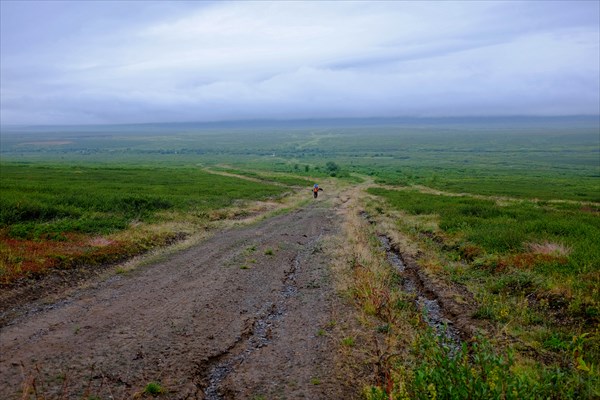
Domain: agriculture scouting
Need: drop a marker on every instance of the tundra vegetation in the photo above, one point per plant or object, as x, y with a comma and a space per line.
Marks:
506, 209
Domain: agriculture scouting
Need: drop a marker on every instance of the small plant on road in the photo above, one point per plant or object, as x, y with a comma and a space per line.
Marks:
154, 388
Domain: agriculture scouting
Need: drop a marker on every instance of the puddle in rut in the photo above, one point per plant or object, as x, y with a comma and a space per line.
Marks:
425, 299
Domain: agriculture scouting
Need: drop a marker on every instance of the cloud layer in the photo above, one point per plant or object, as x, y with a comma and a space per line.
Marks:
109, 62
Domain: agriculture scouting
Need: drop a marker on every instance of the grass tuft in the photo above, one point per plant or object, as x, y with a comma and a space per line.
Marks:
154, 389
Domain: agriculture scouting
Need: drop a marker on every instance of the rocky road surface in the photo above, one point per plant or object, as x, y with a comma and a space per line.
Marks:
242, 315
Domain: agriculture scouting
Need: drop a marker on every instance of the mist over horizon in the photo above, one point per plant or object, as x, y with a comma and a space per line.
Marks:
589, 121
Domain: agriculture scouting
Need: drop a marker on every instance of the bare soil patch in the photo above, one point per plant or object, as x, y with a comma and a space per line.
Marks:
239, 316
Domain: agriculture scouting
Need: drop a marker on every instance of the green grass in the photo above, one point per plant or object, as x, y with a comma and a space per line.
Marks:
154, 389
284, 179
515, 250
534, 269
544, 158
479, 371
52, 214
538, 182
510, 229
49, 200
532, 265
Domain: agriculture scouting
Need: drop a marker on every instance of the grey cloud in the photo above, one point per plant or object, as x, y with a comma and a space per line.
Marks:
183, 61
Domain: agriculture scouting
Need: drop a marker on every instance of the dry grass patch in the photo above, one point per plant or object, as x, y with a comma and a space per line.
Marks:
549, 248
100, 241
387, 325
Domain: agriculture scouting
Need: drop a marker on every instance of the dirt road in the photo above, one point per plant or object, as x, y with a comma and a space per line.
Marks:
242, 315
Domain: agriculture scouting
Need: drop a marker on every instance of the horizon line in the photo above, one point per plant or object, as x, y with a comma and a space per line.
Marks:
331, 119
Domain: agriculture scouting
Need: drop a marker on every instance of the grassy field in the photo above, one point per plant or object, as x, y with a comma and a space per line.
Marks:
546, 158
548, 254
533, 268
57, 215
550, 238
284, 179
508, 208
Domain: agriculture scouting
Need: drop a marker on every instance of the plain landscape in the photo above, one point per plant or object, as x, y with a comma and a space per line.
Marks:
445, 258
268, 200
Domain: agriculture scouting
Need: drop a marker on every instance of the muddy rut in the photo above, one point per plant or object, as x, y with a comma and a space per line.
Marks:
235, 317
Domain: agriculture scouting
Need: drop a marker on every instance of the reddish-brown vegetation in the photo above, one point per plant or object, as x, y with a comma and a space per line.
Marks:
21, 258
531, 260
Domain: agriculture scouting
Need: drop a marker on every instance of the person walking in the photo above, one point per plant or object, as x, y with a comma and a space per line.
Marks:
316, 190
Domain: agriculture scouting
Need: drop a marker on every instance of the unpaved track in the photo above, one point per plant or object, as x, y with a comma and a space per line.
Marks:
199, 322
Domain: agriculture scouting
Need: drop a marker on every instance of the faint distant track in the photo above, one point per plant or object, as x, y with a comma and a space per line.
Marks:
247, 178
429, 190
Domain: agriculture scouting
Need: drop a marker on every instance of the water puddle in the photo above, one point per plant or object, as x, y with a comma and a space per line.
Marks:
425, 299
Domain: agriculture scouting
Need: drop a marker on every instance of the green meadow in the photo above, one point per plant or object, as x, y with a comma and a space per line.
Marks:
534, 269
42, 200
486, 227
509, 208
44, 208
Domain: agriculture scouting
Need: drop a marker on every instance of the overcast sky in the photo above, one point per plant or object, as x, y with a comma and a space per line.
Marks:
118, 62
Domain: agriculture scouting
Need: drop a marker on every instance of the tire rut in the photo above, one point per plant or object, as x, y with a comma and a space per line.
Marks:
192, 322
259, 335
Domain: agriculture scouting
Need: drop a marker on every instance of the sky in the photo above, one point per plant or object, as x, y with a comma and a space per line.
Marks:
110, 62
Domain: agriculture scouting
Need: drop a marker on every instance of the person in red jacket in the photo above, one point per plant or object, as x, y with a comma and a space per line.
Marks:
316, 190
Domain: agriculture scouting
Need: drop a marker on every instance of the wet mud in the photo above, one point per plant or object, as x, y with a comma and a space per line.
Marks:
447, 308
425, 298
235, 317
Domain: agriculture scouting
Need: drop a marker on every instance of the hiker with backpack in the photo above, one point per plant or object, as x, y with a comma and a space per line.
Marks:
316, 190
